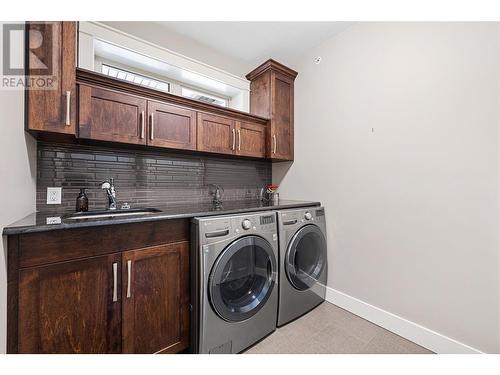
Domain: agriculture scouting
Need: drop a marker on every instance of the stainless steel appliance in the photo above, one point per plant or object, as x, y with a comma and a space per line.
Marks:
235, 291
302, 261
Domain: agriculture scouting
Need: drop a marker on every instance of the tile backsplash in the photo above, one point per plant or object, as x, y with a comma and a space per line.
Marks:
143, 178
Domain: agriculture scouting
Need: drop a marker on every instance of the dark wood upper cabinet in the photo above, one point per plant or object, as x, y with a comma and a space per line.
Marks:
51, 54
250, 139
216, 134
108, 115
117, 111
155, 295
171, 126
271, 95
282, 116
71, 307
112, 110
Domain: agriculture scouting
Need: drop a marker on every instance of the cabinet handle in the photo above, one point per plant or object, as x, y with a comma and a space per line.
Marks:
152, 133
68, 108
142, 125
274, 139
239, 140
115, 282
129, 275
234, 139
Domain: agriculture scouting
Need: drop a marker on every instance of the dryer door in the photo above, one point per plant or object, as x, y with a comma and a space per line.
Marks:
305, 259
242, 278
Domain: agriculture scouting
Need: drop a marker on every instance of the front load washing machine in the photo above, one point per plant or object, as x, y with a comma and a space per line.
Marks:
234, 291
302, 261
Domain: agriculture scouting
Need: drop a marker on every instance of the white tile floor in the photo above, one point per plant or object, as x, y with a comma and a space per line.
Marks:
330, 329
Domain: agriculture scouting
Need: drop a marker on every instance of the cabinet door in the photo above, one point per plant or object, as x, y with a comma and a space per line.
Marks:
52, 54
251, 139
71, 307
108, 115
216, 134
156, 299
171, 126
281, 140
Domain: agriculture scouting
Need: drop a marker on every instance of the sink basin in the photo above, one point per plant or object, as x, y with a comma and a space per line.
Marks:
99, 214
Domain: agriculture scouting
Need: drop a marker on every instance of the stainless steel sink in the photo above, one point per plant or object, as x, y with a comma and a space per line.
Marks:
99, 214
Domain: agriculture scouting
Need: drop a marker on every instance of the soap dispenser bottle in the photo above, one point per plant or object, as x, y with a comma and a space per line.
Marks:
82, 202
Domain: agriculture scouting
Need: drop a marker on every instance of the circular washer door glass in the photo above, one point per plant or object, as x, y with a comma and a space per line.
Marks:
242, 278
305, 258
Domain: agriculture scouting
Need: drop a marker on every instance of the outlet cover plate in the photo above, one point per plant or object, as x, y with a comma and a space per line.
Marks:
54, 195
54, 220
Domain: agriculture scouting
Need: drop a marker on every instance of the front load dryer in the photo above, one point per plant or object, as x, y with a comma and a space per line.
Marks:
302, 261
235, 291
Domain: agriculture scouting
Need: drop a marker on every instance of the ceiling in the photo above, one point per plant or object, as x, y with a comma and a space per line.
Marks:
254, 42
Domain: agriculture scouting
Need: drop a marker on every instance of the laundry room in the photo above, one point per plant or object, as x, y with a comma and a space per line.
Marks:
263, 188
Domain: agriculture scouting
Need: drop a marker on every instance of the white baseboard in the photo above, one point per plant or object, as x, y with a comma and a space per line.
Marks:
422, 336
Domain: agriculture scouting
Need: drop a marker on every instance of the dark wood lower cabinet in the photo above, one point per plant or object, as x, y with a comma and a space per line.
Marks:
126, 291
156, 299
69, 308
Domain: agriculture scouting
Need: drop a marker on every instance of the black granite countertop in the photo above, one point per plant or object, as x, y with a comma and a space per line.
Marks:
42, 222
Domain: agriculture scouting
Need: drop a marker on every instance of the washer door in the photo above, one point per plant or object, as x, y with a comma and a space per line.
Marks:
305, 258
242, 278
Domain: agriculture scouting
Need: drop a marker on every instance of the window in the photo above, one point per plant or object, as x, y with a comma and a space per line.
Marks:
207, 98
139, 79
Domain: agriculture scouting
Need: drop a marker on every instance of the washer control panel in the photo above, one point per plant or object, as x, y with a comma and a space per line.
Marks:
246, 224
215, 229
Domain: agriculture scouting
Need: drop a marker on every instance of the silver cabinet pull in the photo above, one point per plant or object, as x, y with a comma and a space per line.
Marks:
239, 140
274, 139
115, 282
142, 125
234, 139
68, 108
152, 133
129, 275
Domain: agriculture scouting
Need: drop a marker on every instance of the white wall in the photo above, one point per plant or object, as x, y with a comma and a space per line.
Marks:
412, 207
17, 179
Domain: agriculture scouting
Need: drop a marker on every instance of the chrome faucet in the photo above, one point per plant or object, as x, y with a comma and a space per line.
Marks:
109, 187
261, 193
217, 199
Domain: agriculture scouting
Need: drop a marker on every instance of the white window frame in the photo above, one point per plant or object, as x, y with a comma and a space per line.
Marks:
90, 31
174, 86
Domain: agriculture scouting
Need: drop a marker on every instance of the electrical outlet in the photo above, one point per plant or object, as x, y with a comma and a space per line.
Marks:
54, 220
54, 195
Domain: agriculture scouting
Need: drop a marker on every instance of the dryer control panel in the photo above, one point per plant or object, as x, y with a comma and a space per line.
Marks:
310, 215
